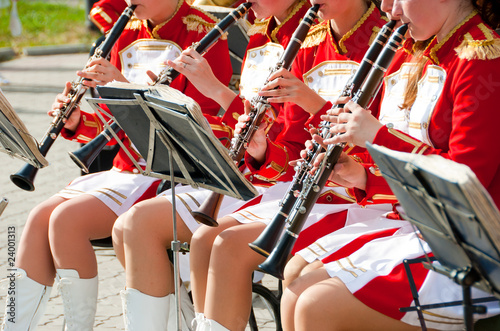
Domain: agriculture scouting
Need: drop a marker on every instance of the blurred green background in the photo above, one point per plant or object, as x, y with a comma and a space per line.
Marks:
53, 22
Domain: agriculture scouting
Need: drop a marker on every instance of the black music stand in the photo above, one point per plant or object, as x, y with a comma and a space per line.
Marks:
159, 128
176, 146
456, 217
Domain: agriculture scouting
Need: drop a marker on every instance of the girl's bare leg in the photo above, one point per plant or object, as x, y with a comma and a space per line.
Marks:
34, 255
329, 305
296, 267
292, 293
147, 233
229, 285
315, 301
72, 225
200, 252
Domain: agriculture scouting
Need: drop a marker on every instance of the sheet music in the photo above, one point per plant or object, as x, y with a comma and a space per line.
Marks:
15, 139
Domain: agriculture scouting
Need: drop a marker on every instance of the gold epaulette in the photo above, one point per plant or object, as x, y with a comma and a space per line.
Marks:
220, 3
316, 35
134, 24
487, 48
197, 23
258, 27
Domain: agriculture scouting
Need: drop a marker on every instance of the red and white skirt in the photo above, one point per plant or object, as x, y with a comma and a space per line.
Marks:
118, 190
375, 274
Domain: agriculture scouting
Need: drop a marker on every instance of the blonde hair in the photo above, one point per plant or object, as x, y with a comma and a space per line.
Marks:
416, 73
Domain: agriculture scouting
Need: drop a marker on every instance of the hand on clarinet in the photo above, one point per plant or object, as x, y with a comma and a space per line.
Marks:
346, 172
257, 146
352, 125
100, 72
283, 87
199, 73
61, 100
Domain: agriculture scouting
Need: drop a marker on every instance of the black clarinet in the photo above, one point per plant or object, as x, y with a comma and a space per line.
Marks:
313, 184
271, 234
207, 212
84, 156
26, 176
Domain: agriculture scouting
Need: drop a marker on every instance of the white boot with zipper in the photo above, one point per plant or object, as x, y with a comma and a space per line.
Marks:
79, 299
25, 303
145, 312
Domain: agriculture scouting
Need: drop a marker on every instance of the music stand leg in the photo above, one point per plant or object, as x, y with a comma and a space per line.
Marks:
414, 290
468, 308
175, 246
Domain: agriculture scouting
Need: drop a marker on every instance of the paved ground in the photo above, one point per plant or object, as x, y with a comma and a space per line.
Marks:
34, 82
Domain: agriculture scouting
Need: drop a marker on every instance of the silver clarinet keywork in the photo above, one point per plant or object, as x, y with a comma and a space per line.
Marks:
207, 212
306, 187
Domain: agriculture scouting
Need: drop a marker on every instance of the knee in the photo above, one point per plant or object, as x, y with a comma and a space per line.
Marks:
329, 305
141, 226
134, 220
38, 220
203, 239
64, 220
226, 242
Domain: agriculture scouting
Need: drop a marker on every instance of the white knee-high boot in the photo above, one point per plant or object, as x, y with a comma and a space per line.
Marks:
79, 299
145, 312
210, 325
198, 319
25, 303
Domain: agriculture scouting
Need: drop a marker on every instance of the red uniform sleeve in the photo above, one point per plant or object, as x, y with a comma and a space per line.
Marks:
105, 13
286, 147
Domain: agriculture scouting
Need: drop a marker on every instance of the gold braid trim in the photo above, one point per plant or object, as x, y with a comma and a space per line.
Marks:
487, 49
259, 27
434, 50
210, 15
358, 24
294, 11
134, 24
157, 28
196, 23
316, 35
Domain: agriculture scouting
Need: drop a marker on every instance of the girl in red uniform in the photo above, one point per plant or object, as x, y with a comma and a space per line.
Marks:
221, 261
56, 238
142, 235
452, 114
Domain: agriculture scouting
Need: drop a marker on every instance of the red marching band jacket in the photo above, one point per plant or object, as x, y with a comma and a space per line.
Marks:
138, 46
266, 45
457, 118
325, 66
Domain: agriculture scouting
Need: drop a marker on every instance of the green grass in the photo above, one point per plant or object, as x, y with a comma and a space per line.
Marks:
47, 23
